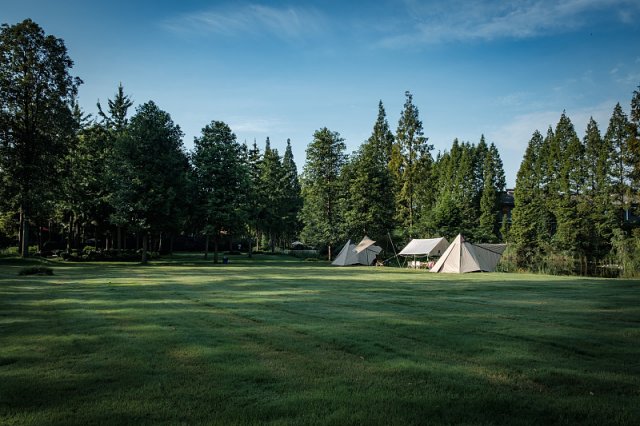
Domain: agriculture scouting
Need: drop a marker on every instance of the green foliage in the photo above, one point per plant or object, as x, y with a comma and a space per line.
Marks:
152, 172
369, 203
322, 190
410, 163
626, 252
222, 181
36, 121
617, 138
292, 202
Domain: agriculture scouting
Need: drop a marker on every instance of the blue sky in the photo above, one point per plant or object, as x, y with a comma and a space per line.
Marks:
284, 69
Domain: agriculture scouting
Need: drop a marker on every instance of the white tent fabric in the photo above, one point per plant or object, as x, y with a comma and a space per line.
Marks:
462, 256
362, 245
349, 254
425, 247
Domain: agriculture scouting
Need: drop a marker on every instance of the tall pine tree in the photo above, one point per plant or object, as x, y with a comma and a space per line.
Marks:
369, 202
411, 163
322, 190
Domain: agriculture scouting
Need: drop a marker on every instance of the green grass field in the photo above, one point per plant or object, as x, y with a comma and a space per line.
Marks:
280, 341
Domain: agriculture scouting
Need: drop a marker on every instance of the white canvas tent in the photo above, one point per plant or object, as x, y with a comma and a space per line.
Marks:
462, 256
364, 253
425, 247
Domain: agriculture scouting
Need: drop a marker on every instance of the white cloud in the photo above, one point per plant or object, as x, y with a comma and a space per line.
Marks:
254, 125
287, 23
460, 20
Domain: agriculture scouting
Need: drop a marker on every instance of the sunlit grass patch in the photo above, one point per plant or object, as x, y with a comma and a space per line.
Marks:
274, 340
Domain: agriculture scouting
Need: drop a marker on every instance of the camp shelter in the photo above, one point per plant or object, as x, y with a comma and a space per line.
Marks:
364, 253
425, 247
462, 256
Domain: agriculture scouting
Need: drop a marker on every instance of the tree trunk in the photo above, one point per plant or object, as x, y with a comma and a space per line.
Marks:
329, 252
215, 249
70, 234
206, 246
24, 240
119, 237
20, 228
250, 246
145, 246
160, 243
171, 238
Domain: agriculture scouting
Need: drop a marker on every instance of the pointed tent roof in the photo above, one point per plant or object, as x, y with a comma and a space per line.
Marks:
462, 256
425, 247
362, 245
345, 256
349, 255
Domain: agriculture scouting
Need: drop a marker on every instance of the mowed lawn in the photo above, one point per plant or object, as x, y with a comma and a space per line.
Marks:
274, 340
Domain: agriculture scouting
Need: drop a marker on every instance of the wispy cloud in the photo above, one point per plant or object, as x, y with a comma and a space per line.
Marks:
254, 125
287, 23
460, 20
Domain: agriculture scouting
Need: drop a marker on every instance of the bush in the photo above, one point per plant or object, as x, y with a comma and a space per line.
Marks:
36, 270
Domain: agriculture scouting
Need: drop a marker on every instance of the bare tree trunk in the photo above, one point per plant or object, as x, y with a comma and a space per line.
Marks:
145, 247
250, 246
206, 246
215, 249
329, 252
24, 238
20, 227
70, 234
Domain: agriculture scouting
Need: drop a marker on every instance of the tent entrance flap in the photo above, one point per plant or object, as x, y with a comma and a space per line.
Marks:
462, 256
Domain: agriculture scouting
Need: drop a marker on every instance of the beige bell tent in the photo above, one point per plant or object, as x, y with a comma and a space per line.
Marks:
364, 253
462, 256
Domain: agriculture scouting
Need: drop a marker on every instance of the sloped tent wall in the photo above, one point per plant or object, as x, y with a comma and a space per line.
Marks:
364, 253
347, 256
462, 256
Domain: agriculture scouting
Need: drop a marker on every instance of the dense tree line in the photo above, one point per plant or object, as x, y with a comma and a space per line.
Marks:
575, 199
393, 188
128, 182
114, 177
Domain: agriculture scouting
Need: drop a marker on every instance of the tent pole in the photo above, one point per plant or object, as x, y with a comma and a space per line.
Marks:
394, 250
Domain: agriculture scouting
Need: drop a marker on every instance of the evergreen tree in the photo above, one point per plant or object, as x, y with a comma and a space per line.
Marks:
321, 189
411, 162
567, 186
116, 119
488, 207
595, 206
115, 123
527, 230
222, 179
255, 203
151, 170
273, 193
634, 143
617, 137
292, 195
36, 120
369, 204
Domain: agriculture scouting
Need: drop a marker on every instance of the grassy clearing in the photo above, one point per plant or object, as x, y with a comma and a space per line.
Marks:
281, 341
